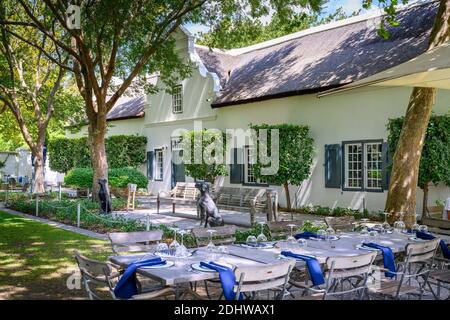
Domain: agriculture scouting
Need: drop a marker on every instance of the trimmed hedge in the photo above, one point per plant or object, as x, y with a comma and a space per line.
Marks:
121, 151
118, 178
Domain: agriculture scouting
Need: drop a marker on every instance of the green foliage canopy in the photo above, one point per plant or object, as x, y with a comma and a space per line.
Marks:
296, 153
435, 160
122, 151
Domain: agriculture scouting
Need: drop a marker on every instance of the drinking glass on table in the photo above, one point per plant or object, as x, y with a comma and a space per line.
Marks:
261, 237
330, 235
364, 234
211, 247
423, 228
386, 226
399, 226
302, 243
415, 227
181, 250
321, 234
251, 241
223, 250
174, 244
291, 241
373, 235
162, 248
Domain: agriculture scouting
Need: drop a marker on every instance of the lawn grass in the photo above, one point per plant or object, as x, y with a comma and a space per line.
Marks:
36, 259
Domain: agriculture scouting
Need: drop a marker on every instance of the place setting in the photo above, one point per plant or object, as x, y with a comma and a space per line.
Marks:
259, 242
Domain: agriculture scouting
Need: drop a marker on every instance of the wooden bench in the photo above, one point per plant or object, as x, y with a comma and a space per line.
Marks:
345, 223
183, 192
223, 235
280, 229
247, 199
439, 226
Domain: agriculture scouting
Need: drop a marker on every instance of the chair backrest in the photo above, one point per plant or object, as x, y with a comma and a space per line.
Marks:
342, 267
241, 197
258, 278
223, 235
95, 273
345, 223
421, 251
124, 241
185, 190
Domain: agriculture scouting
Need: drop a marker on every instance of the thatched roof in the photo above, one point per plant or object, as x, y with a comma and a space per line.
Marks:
317, 61
127, 108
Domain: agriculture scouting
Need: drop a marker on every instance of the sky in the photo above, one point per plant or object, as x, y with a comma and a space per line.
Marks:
348, 6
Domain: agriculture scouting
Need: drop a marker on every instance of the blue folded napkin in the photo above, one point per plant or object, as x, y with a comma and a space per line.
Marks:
126, 287
388, 258
227, 279
313, 266
444, 247
305, 235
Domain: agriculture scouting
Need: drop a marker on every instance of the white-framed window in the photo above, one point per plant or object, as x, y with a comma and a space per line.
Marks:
249, 177
363, 165
177, 99
159, 164
373, 162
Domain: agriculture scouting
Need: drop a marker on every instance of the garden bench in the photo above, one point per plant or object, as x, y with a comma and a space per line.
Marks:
183, 192
280, 229
247, 199
223, 235
439, 226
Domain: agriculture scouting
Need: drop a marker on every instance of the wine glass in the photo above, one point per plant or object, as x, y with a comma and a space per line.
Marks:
261, 237
373, 235
302, 243
291, 239
399, 226
423, 228
211, 246
251, 241
386, 226
321, 234
415, 227
174, 244
364, 233
181, 250
162, 248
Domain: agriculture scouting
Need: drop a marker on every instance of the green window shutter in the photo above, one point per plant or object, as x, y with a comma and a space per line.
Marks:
333, 166
387, 165
150, 156
237, 167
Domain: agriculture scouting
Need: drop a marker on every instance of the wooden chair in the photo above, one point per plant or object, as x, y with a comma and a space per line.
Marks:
343, 276
97, 274
417, 264
124, 242
272, 277
345, 223
223, 235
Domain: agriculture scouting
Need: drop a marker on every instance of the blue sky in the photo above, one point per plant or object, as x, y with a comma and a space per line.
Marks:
349, 6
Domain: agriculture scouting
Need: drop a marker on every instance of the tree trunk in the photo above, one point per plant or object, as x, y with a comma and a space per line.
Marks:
425, 212
38, 186
288, 196
402, 188
98, 158
405, 171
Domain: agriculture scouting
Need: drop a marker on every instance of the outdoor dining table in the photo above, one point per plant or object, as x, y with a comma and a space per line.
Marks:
183, 273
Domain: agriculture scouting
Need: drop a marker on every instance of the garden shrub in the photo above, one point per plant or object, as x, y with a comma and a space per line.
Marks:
79, 177
121, 177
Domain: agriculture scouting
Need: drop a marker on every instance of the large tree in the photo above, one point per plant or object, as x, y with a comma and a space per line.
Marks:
405, 169
126, 40
30, 91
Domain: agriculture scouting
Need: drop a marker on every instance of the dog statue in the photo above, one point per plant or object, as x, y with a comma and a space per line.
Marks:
207, 207
105, 202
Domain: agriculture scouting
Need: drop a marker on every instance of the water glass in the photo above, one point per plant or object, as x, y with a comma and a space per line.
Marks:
321, 234
302, 243
415, 227
251, 241
162, 248
423, 228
